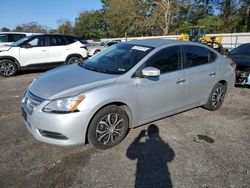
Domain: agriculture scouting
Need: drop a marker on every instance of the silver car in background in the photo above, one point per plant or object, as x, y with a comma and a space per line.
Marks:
122, 87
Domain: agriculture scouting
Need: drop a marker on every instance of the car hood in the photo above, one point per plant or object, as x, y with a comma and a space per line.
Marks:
4, 48
68, 81
242, 61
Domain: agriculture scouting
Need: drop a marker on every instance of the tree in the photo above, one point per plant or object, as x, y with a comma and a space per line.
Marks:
91, 25
32, 27
65, 27
5, 29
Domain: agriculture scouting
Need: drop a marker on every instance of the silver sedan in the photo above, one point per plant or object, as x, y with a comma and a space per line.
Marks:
122, 87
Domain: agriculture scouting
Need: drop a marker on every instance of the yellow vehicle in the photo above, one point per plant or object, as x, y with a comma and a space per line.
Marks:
197, 34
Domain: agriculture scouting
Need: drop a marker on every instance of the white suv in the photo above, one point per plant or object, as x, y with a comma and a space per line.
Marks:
40, 51
8, 38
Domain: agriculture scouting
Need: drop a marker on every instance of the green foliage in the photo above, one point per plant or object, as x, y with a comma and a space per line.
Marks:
120, 18
32, 27
65, 27
5, 29
90, 25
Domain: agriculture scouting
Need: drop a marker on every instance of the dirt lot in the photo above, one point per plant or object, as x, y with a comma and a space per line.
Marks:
197, 148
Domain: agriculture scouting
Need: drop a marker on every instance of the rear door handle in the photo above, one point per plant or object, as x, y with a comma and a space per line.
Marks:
44, 50
212, 74
181, 81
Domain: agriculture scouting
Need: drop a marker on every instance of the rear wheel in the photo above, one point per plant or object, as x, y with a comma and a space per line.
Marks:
74, 60
108, 127
216, 97
7, 68
96, 52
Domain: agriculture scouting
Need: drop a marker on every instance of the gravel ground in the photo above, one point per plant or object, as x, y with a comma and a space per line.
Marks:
196, 148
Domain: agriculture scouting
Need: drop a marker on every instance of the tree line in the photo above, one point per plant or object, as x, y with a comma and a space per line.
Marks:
129, 18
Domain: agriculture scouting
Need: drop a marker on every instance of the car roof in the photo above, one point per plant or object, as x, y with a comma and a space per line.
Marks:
160, 42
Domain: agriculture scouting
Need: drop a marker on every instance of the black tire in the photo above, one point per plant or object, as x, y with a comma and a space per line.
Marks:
216, 97
96, 52
7, 68
104, 135
74, 60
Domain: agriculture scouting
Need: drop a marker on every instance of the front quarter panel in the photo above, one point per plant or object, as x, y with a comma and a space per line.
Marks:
122, 92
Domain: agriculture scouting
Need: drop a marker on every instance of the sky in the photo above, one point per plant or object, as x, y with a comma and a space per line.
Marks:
45, 12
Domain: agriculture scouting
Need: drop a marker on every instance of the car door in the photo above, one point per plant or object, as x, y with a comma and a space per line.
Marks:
34, 51
164, 94
201, 73
58, 48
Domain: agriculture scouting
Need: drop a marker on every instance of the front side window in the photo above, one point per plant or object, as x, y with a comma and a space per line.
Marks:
166, 60
38, 41
196, 55
3, 38
118, 59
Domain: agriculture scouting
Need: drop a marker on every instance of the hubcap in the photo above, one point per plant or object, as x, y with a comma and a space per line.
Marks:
109, 129
217, 97
6, 69
74, 60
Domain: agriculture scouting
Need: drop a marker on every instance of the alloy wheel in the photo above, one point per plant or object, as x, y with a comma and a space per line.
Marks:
109, 129
6, 69
217, 97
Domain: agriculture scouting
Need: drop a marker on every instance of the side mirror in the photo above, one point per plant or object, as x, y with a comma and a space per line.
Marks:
26, 46
151, 72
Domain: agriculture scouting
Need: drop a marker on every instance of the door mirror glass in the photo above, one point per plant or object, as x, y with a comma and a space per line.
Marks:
27, 45
151, 71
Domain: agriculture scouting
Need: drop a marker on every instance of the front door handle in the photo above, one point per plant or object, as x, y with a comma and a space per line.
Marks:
181, 81
212, 74
44, 50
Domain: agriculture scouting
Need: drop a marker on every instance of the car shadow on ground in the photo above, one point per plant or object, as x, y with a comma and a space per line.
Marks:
153, 155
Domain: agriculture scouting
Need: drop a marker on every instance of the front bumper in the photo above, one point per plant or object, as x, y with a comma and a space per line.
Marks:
58, 129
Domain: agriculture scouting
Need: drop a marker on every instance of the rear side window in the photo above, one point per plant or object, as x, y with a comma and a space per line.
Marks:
166, 60
57, 41
15, 37
196, 55
70, 40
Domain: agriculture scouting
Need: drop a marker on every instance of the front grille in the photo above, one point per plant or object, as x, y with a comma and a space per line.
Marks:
31, 101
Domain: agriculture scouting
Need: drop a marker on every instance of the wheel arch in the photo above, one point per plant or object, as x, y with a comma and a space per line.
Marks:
223, 82
123, 105
12, 59
73, 55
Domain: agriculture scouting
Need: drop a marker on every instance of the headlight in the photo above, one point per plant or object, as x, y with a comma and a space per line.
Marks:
64, 105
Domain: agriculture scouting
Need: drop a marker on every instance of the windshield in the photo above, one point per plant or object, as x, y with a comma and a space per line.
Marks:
117, 59
3, 38
241, 50
19, 42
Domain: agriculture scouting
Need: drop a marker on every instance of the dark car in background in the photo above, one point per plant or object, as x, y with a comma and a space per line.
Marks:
241, 56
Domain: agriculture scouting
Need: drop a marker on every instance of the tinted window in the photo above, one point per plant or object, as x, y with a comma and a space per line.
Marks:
117, 59
111, 43
166, 60
37, 41
242, 50
15, 37
196, 55
70, 39
212, 56
57, 41
3, 38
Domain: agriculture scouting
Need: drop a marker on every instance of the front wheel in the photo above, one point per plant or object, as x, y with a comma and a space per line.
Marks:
7, 68
108, 127
216, 97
